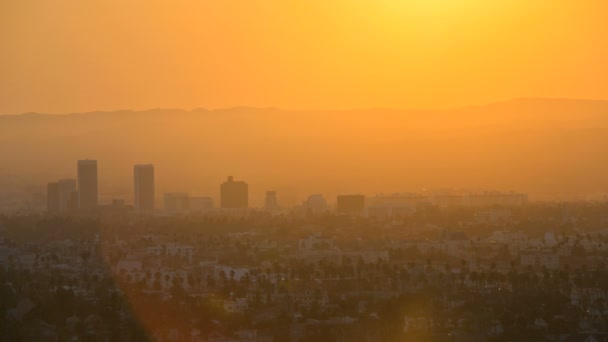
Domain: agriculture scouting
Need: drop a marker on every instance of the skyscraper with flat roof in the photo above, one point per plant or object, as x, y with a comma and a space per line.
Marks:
143, 181
67, 187
234, 195
87, 185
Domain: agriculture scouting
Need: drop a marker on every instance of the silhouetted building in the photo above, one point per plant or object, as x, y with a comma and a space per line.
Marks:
144, 188
315, 205
67, 188
87, 185
62, 196
52, 197
351, 204
73, 202
271, 204
234, 195
176, 202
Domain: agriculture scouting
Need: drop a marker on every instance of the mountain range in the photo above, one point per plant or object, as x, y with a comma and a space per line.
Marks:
548, 148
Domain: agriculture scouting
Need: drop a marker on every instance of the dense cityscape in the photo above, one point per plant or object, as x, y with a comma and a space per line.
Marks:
303, 171
435, 266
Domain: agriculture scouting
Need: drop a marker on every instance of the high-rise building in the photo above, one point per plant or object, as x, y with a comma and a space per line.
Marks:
144, 188
52, 197
351, 204
67, 188
271, 204
315, 204
234, 195
87, 185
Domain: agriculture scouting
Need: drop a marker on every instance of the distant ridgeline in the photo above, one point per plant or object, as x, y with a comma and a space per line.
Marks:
550, 149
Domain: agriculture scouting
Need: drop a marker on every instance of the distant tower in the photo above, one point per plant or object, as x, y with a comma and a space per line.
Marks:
87, 185
67, 188
234, 195
52, 198
271, 204
143, 181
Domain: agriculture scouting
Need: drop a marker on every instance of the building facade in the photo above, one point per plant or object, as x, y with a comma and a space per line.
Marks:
176, 202
234, 195
87, 185
143, 184
350, 204
67, 191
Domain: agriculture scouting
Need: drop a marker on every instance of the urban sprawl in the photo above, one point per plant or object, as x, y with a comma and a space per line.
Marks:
442, 266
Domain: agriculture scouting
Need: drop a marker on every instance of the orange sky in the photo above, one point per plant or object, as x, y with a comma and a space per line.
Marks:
65, 56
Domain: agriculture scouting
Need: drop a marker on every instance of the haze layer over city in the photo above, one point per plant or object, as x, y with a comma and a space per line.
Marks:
550, 149
272, 170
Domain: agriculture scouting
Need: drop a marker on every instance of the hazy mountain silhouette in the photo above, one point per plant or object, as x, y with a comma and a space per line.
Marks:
546, 147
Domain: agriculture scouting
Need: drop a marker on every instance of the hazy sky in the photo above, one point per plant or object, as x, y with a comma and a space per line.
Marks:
66, 55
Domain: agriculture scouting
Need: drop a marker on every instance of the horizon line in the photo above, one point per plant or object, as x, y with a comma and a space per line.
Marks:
229, 108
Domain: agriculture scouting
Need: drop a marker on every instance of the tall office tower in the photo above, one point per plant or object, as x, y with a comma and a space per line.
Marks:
66, 189
144, 188
271, 204
351, 204
234, 195
87, 185
52, 198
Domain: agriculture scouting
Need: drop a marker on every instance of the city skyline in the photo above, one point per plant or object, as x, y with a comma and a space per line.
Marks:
64, 196
304, 171
550, 149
